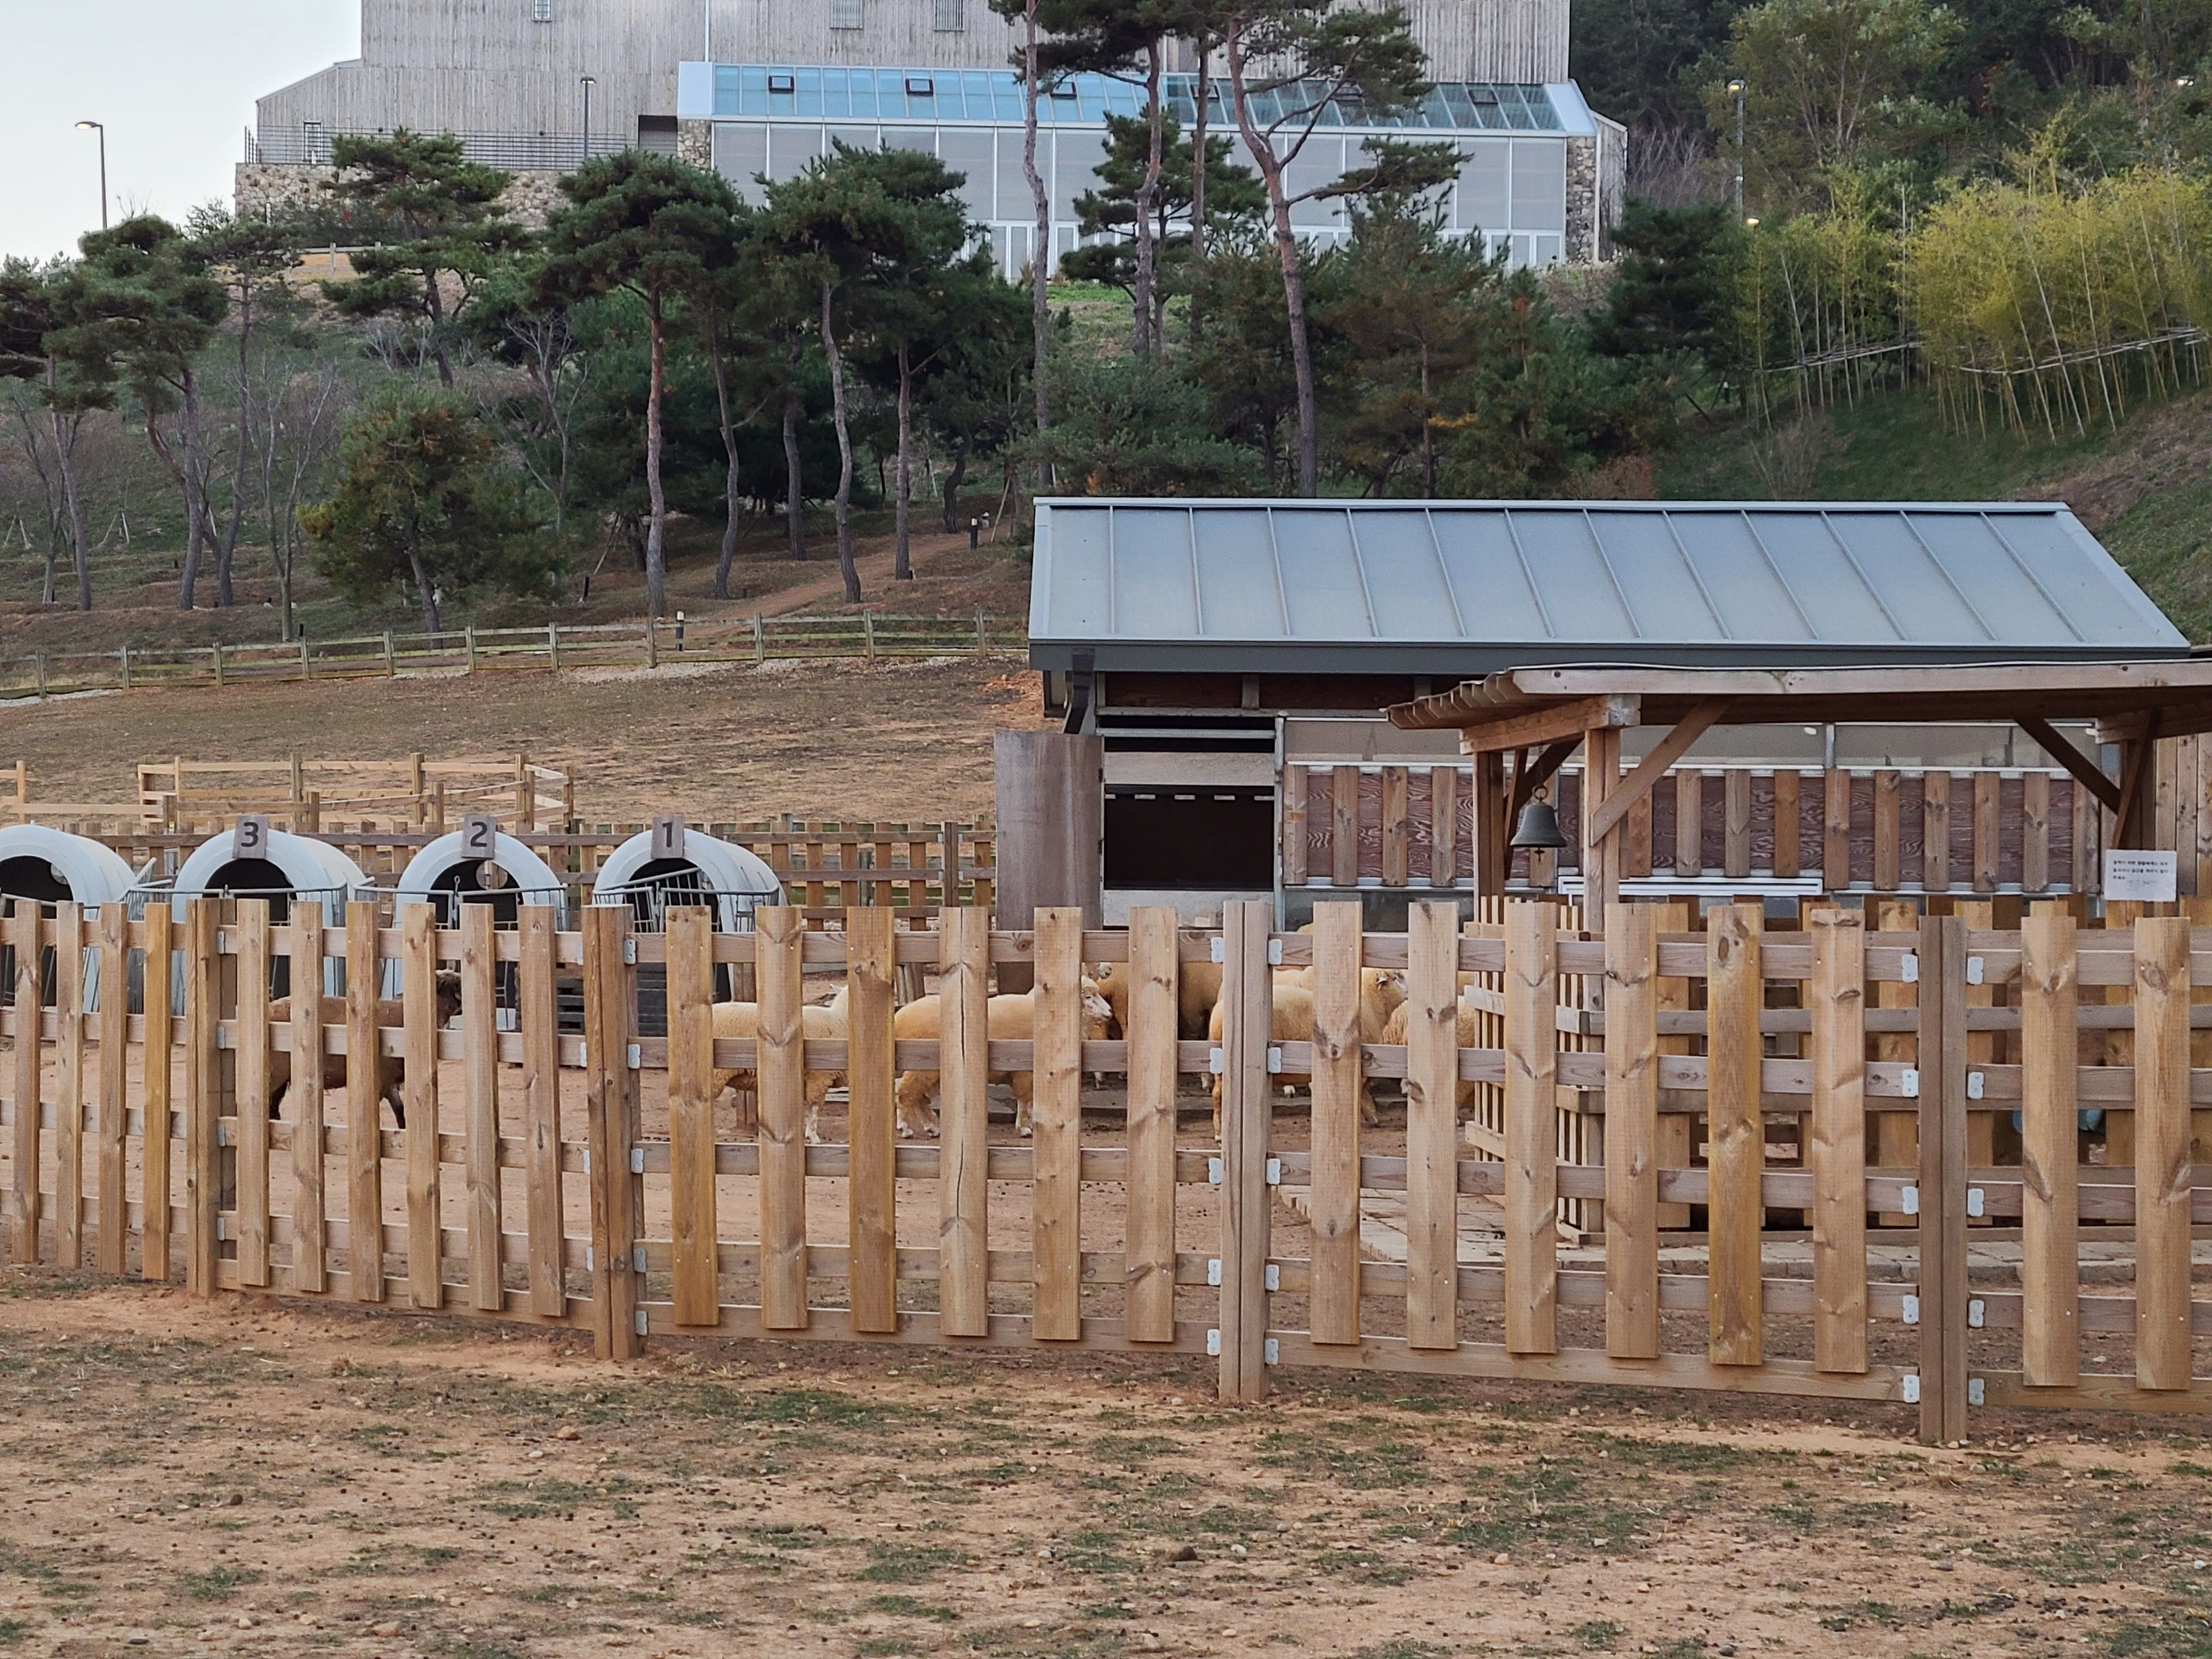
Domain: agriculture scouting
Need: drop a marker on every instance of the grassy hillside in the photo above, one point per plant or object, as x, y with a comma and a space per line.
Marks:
2145, 489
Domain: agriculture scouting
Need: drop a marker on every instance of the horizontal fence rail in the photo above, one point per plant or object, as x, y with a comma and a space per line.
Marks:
474, 650
822, 1157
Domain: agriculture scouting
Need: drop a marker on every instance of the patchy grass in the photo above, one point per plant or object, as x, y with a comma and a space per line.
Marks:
909, 1563
219, 1584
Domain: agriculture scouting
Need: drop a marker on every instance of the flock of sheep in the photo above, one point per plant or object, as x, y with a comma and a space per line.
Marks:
1012, 1018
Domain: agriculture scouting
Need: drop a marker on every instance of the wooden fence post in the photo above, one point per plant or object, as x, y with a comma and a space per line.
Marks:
308, 1208
158, 1068
1632, 1132
778, 940
252, 1121
1532, 1042
418, 949
1735, 997
2051, 1044
1943, 1066
2162, 1160
480, 1102
23, 1184
1056, 1115
1334, 1193
1837, 1150
364, 1109
963, 935
68, 1086
692, 1234
202, 980
1153, 975
114, 926
610, 1009
1247, 1009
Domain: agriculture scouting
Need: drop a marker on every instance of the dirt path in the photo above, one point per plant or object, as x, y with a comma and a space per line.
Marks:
875, 577
261, 1479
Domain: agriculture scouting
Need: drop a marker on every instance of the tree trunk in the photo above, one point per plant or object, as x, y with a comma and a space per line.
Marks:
729, 496
190, 580
1040, 252
794, 498
953, 480
656, 554
835, 353
1294, 286
80, 544
1141, 339
902, 553
1198, 174
423, 591
434, 302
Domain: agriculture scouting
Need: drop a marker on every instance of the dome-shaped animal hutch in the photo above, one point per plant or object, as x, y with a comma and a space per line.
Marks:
668, 866
290, 870
455, 870
45, 866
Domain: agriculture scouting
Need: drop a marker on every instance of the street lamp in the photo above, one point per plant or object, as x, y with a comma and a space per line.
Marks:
1736, 86
587, 83
100, 127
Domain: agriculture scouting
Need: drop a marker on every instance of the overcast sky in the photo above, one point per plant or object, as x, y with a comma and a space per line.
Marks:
175, 82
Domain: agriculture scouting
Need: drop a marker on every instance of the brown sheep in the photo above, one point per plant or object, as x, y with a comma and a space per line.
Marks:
1006, 1019
391, 1069
739, 1022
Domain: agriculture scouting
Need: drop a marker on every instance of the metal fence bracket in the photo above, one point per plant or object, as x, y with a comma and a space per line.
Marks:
1274, 1172
1274, 1061
629, 952
1273, 1278
1213, 1171
1214, 1344
1908, 1202
637, 1160
1215, 1063
1973, 970
641, 1321
1213, 1270
1908, 973
1218, 952
1271, 1353
635, 1057
1977, 1201
1977, 1391
1274, 953
1909, 1388
1978, 1313
637, 1258
1911, 1310
1908, 1083
1976, 1084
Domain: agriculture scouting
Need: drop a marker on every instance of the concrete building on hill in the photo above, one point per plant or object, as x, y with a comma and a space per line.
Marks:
757, 87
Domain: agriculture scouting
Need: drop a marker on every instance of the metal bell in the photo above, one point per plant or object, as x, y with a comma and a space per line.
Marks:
1539, 829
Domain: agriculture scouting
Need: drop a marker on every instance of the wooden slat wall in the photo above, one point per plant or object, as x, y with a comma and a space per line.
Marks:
1889, 830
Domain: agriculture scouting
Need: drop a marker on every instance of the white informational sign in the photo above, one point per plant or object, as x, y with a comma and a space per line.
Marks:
2139, 876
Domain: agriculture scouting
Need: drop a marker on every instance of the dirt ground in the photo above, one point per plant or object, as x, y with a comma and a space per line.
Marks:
898, 740
255, 1478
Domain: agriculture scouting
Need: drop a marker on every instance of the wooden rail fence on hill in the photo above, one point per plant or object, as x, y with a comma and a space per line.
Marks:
472, 650
593, 1180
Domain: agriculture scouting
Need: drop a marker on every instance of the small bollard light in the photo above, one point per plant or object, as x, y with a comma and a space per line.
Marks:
679, 631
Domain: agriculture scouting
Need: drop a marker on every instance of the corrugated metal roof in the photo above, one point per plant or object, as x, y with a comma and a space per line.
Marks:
1472, 588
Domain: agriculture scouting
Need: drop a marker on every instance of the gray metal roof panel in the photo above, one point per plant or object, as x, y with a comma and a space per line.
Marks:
1336, 585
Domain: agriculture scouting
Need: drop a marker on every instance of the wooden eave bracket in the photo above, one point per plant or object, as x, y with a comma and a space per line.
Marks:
1701, 719
1554, 723
2083, 771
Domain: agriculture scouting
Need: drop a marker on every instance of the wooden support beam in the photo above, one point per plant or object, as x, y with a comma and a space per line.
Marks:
1548, 724
1655, 765
2128, 828
1529, 776
2083, 771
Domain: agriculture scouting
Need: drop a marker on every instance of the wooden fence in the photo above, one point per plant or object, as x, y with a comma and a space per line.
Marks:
473, 650
593, 1180
1883, 830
